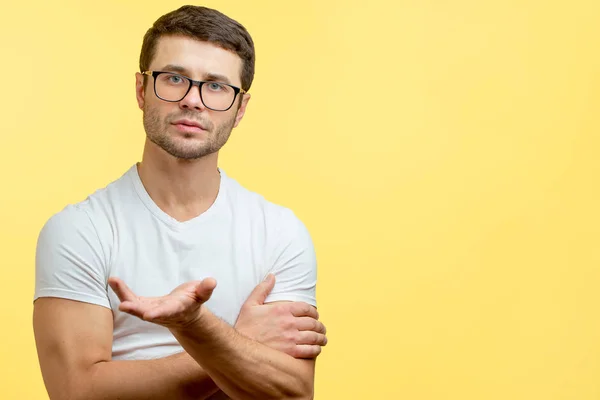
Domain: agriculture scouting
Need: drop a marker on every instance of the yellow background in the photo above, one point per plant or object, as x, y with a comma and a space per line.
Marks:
443, 154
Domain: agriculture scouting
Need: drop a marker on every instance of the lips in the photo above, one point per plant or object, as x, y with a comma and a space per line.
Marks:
188, 126
189, 122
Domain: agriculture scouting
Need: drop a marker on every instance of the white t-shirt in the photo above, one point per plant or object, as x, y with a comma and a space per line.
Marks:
120, 231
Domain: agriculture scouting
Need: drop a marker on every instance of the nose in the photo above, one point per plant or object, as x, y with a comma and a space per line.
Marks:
192, 99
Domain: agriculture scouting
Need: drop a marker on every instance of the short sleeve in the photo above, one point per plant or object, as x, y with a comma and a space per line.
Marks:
69, 261
294, 263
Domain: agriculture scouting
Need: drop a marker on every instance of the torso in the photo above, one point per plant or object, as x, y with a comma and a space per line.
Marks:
153, 253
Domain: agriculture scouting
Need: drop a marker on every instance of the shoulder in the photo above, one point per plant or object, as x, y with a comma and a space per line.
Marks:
117, 194
70, 234
70, 260
85, 223
74, 248
285, 234
99, 204
290, 253
71, 221
274, 216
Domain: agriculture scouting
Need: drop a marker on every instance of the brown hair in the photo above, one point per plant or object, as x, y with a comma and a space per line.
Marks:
207, 25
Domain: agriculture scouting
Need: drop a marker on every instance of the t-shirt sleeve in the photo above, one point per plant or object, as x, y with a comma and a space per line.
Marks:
294, 263
69, 261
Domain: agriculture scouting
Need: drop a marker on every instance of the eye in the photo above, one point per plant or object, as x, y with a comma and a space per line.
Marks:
215, 87
175, 79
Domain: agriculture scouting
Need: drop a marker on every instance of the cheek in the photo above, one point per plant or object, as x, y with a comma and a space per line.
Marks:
157, 112
227, 118
152, 116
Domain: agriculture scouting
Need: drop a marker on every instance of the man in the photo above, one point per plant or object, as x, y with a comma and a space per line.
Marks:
174, 281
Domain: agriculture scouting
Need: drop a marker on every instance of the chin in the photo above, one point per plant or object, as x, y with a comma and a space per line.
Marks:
189, 152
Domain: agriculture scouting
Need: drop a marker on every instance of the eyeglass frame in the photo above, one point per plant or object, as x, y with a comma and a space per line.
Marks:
154, 74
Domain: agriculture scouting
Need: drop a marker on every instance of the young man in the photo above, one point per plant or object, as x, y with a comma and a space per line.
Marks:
175, 282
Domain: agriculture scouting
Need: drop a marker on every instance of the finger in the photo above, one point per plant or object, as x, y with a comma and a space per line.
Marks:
310, 324
307, 351
300, 309
121, 289
261, 291
161, 312
132, 308
310, 337
205, 289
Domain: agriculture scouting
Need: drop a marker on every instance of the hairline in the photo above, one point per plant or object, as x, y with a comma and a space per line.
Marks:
211, 42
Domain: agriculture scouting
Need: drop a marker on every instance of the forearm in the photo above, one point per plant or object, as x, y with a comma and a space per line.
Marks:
173, 377
243, 368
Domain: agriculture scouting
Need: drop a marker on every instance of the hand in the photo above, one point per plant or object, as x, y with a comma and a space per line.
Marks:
290, 327
178, 309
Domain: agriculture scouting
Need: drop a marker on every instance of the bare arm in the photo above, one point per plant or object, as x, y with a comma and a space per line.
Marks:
74, 342
74, 338
243, 368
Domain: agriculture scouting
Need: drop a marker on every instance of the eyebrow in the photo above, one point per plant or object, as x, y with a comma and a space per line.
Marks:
209, 76
174, 68
217, 78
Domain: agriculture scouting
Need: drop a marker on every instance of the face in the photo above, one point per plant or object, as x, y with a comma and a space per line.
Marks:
171, 125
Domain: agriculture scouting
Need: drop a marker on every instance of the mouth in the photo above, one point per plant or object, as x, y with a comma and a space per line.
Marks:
188, 126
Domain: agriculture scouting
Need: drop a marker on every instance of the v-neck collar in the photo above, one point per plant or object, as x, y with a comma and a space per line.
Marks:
166, 218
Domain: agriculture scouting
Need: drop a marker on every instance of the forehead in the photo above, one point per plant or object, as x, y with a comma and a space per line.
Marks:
198, 59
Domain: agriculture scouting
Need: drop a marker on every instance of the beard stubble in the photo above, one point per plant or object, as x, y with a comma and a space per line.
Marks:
184, 147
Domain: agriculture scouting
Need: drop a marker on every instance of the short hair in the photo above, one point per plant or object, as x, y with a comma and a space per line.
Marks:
204, 24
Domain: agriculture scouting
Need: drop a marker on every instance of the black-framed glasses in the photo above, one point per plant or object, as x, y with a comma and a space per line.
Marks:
172, 87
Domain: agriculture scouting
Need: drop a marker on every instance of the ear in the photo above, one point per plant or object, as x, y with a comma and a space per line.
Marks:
139, 89
242, 110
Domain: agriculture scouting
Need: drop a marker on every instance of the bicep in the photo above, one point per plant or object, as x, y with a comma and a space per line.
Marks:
70, 261
306, 371
71, 337
294, 263
304, 366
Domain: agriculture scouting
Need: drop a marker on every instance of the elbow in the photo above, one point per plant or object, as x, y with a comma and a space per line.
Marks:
307, 386
292, 389
303, 396
56, 392
309, 395
66, 394
71, 391
302, 389
306, 396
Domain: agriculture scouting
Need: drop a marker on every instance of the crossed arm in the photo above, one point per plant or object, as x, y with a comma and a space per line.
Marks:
74, 343
241, 367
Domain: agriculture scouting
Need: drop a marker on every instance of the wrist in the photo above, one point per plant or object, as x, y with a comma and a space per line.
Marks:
198, 325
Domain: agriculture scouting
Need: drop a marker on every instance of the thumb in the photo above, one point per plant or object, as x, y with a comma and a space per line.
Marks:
261, 291
205, 289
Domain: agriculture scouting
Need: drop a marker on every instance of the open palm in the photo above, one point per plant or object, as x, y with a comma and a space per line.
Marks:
179, 308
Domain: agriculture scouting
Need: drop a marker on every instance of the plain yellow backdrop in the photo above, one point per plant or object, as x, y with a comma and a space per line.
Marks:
443, 154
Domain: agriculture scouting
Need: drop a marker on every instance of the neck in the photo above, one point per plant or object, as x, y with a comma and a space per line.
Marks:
183, 189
